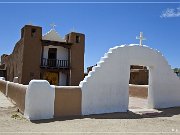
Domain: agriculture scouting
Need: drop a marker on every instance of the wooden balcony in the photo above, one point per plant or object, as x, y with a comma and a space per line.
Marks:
54, 63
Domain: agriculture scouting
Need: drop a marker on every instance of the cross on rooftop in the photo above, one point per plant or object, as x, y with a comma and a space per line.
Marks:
73, 29
30, 23
53, 25
141, 38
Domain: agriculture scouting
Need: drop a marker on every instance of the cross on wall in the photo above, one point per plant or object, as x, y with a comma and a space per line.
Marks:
141, 38
53, 25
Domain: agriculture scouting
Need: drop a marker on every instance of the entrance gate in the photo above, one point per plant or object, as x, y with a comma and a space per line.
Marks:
105, 89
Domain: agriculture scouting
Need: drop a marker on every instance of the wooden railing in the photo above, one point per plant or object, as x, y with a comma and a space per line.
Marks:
54, 63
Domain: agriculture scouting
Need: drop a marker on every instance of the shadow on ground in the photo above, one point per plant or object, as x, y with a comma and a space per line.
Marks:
169, 112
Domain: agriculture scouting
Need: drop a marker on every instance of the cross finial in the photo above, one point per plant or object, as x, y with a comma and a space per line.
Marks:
30, 23
141, 38
53, 25
73, 29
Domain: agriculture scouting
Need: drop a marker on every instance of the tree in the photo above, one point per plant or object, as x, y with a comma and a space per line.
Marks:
176, 70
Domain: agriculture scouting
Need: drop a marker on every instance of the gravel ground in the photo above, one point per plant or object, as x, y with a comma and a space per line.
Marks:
136, 121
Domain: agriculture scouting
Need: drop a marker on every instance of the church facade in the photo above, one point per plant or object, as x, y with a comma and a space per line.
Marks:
50, 57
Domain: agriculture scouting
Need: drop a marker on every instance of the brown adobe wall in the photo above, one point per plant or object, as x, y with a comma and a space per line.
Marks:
3, 73
76, 58
139, 77
16, 93
14, 63
24, 62
32, 53
3, 86
67, 101
140, 91
2, 58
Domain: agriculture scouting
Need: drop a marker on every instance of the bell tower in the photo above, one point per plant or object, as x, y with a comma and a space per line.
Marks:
31, 36
76, 57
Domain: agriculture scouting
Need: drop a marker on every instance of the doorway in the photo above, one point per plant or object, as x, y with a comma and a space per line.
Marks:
52, 56
138, 87
51, 77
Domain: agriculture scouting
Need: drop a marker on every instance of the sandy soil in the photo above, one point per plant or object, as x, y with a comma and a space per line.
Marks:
136, 121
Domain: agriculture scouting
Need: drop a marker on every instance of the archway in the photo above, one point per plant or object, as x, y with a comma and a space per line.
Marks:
105, 89
138, 87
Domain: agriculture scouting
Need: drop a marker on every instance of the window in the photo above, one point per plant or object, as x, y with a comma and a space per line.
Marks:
33, 31
52, 53
22, 33
77, 39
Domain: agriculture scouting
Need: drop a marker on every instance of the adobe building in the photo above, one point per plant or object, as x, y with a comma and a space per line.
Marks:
50, 57
139, 75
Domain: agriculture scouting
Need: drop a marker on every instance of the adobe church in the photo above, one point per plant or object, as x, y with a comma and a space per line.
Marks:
50, 57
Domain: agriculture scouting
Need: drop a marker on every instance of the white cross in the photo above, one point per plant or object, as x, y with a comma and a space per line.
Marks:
141, 38
73, 29
30, 23
53, 25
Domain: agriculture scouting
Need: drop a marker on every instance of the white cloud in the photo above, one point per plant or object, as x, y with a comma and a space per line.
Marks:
170, 12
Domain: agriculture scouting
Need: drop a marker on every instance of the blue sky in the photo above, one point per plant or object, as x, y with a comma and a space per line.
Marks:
105, 25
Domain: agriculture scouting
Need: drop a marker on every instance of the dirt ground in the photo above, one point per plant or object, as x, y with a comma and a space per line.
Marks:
136, 121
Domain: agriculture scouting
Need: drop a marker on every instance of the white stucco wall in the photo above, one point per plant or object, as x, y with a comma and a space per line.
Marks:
39, 100
106, 89
7, 87
62, 79
62, 53
2, 78
16, 80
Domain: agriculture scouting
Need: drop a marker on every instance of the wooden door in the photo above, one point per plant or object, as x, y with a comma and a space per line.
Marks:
51, 77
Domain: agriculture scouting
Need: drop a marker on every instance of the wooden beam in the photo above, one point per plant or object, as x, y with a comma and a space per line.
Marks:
55, 43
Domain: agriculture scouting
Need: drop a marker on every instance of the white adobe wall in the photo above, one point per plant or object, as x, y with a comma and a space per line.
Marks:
62, 79
62, 53
2, 78
39, 100
105, 89
16, 80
